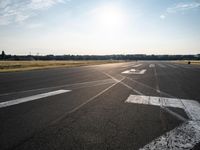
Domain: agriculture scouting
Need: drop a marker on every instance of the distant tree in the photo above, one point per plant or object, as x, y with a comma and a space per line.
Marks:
3, 55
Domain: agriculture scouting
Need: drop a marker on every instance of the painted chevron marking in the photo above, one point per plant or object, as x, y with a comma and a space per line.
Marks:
185, 136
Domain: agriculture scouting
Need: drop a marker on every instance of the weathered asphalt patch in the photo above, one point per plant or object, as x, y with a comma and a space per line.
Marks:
186, 136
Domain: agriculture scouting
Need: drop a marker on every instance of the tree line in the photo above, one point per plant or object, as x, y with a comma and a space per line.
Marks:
99, 57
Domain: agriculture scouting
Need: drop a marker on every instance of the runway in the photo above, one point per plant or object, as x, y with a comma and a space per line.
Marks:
125, 106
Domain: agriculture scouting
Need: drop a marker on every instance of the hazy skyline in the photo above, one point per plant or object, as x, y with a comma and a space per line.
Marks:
100, 26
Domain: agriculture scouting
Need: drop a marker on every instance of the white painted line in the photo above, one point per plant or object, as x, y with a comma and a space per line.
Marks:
162, 66
113, 78
121, 82
157, 82
191, 107
134, 71
151, 65
91, 99
139, 93
157, 101
184, 137
126, 72
138, 65
142, 71
31, 98
147, 86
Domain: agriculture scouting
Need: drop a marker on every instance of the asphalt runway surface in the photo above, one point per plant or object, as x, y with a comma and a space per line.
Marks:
121, 106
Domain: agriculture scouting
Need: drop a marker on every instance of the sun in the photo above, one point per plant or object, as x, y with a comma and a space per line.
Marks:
109, 16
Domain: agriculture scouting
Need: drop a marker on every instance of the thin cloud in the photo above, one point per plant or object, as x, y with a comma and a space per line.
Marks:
183, 7
20, 10
43, 4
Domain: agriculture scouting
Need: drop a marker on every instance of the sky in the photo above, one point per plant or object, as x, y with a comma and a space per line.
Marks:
99, 27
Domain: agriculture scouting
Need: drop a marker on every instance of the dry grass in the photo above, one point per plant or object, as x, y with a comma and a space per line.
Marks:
10, 66
194, 62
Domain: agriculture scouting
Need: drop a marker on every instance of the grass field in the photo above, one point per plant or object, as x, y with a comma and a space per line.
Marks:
9, 66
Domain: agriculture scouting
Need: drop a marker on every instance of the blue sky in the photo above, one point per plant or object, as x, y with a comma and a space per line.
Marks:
100, 26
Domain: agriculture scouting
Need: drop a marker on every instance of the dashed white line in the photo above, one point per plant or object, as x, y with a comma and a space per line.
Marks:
31, 98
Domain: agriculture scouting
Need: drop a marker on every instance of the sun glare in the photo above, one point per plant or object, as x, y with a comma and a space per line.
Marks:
110, 16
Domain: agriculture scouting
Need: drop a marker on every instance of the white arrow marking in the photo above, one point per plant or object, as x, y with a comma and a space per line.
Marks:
152, 65
191, 107
31, 98
185, 136
134, 71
